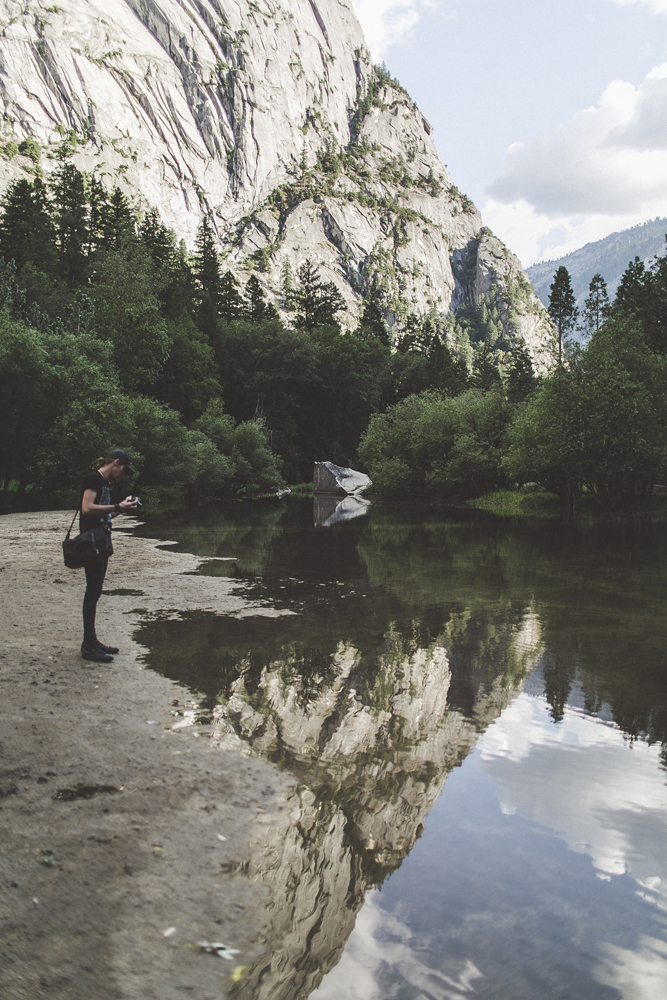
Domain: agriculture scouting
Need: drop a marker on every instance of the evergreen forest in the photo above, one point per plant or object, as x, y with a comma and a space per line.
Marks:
112, 335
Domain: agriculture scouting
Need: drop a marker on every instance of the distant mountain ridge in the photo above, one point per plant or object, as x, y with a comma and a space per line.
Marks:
608, 257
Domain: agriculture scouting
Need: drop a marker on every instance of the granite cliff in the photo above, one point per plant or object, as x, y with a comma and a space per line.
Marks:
270, 118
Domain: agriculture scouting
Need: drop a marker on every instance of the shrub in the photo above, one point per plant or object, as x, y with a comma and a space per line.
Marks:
429, 443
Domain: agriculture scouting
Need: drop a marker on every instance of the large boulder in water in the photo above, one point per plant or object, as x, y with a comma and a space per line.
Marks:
330, 478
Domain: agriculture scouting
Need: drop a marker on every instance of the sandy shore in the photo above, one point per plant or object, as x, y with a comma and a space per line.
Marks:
90, 885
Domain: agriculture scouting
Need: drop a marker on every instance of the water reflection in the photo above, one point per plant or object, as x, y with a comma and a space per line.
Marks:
542, 874
397, 640
330, 510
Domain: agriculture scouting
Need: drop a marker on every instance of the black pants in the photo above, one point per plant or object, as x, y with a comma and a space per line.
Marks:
95, 573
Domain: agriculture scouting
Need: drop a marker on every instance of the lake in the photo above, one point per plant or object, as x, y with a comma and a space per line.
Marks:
474, 712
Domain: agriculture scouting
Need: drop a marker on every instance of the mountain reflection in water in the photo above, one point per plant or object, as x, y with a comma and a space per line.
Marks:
413, 631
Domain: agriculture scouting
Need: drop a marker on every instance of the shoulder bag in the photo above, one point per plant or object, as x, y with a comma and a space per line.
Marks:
86, 547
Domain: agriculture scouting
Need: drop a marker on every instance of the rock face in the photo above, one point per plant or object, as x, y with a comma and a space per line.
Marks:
330, 478
270, 117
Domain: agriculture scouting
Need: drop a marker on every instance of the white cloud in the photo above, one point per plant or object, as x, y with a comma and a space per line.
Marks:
382, 949
637, 975
603, 796
389, 22
602, 170
533, 236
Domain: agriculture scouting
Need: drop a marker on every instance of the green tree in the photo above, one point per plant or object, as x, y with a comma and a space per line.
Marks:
230, 303
596, 306
161, 446
485, 372
27, 235
206, 270
562, 305
346, 391
243, 463
600, 423
267, 370
98, 199
118, 222
417, 336
70, 213
286, 285
255, 300
521, 380
27, 403
432, 444
634, 289
128, 314
544, 443
175, 281
188, 380
373, 321
642, 295
60, 404
317, 303
447, 373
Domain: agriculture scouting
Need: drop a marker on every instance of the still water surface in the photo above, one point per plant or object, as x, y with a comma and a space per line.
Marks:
475, 713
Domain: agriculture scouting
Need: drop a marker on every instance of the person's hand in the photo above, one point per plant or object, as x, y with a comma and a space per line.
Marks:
129, 503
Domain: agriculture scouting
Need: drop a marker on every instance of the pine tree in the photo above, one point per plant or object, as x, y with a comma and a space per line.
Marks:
417, 336
70, 204
255, 300
97, 202
596, 305
118, 222
206, 268
26, 230
448, 374
286, 283
372, 319
230, 303
632, 291
179, 294
159, 241
562, 305
317, 302
521, 379
485, 372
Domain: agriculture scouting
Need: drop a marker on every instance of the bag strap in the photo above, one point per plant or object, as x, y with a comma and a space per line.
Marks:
73, 520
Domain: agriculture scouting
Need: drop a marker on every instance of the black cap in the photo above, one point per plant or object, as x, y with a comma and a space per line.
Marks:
123, 458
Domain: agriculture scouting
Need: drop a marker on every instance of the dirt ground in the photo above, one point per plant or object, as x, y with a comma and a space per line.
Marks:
90, 886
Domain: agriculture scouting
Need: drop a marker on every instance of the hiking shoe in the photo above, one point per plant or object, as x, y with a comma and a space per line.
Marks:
95, 654
107, 649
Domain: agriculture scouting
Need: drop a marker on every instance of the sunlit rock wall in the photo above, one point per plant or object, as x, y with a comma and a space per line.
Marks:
254, 112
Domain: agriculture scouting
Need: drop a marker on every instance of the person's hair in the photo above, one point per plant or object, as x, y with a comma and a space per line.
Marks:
104, 461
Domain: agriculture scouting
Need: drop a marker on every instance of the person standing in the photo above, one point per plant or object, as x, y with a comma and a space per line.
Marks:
95, 509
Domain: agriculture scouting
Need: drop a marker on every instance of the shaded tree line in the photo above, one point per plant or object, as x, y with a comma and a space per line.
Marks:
112, 333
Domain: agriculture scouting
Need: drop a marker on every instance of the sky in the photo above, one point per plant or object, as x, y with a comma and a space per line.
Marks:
551, 116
